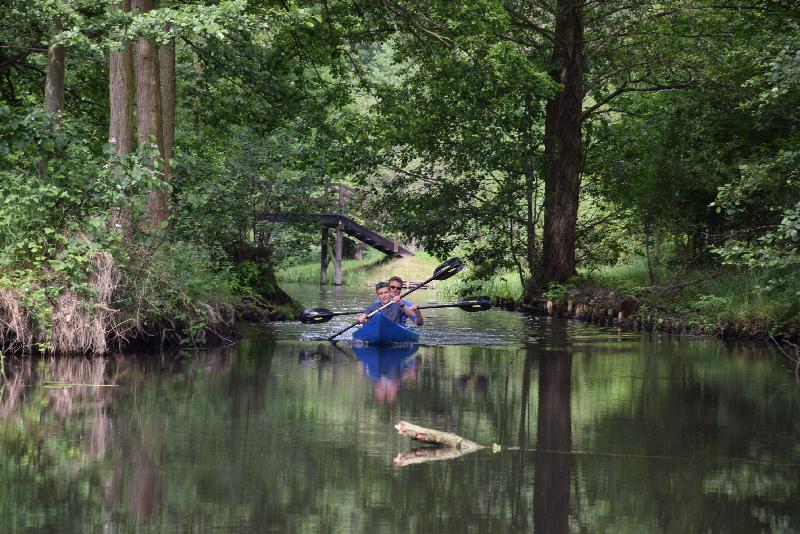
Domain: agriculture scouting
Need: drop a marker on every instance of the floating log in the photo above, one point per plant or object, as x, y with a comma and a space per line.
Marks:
436, 437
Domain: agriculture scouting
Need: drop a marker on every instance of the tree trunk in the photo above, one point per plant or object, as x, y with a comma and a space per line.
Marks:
54, 84
120, 86
562, 145
531, 252
148, 110
166, 63
120, 127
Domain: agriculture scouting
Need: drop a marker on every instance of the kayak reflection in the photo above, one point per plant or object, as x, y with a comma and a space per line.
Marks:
387, 367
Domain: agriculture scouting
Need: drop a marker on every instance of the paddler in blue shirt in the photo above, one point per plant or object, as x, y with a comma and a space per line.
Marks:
395, 312
395, 286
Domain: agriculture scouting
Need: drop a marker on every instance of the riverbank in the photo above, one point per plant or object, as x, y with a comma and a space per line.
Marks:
719, 303
722, 303
176, 296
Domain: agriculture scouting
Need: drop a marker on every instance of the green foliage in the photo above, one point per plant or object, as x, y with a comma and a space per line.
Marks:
182, 284
354, 272
555, 291
763, 199
505, 284
56, 191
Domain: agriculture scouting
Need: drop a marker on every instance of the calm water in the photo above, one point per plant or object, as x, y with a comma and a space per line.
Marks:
597, 431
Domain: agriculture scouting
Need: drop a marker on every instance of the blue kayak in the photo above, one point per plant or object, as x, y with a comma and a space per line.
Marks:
379, 330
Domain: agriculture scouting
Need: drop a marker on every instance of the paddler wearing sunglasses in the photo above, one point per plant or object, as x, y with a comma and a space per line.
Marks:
395, 287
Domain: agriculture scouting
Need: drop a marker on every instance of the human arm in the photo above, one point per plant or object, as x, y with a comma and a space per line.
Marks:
364, 316
418, 319
413, 313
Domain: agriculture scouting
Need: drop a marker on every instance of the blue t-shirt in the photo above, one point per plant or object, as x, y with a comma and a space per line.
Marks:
404, 317
393, 312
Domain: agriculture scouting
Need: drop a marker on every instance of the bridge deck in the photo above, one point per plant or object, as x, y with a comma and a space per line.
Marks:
349, 227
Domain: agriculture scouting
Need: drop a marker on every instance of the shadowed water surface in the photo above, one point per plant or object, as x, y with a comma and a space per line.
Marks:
598, 431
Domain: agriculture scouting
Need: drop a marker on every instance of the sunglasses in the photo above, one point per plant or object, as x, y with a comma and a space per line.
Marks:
396, 288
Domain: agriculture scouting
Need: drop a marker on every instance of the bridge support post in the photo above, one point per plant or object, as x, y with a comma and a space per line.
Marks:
323, 265
337, 257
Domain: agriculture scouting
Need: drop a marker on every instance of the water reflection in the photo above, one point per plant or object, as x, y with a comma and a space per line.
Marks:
553, 463
387, 367
599, 432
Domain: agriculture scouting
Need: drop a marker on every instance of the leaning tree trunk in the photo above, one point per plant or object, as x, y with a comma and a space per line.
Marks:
166, 63
148, 110
120, 126
54, 83
562, 145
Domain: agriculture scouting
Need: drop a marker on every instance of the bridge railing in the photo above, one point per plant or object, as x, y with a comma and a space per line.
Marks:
342, 199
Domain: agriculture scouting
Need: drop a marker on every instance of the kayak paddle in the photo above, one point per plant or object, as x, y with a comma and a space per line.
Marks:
469, 304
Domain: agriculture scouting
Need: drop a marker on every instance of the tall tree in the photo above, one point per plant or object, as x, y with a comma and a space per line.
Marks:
148, 111
54, 83
120, 86
562, 143
166, 64
591, 52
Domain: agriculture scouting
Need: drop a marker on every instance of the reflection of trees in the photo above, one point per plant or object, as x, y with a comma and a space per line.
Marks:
71, 388
553, 464
54, 430
142, 434
258, 442
700, 444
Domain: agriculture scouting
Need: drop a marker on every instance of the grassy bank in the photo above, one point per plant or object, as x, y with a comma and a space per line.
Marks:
373, 268
710, 298
706, 297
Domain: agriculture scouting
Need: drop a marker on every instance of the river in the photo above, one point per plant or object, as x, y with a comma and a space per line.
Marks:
586, 429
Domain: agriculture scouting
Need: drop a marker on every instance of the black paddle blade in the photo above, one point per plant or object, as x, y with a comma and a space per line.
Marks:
316, 315
447, 269
474, 304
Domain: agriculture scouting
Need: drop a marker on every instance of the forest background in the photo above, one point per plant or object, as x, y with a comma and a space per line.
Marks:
554, 145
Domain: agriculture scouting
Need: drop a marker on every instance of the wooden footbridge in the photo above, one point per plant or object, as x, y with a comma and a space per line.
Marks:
335, 211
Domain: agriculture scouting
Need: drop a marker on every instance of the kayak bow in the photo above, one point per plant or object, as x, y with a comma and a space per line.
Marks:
380, 330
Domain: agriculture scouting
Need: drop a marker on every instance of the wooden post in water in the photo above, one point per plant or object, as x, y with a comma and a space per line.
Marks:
337, 257
323, 265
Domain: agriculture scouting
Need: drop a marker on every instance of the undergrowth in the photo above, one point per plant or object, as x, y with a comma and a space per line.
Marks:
706, 296
69, 282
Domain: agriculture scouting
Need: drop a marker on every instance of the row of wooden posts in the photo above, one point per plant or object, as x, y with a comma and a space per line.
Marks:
600, 315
